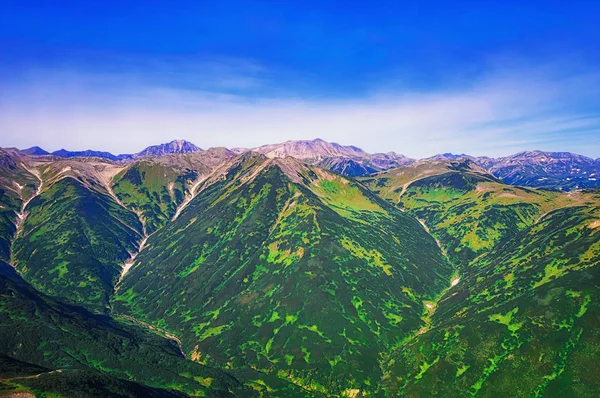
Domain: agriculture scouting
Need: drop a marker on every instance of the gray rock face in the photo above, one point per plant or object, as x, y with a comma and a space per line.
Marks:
175, 146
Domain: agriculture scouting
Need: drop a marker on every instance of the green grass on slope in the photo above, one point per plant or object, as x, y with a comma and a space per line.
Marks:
313, 282
524, 324
470, 213
390, 184
74, 242
155, 188
345, 197
152, 189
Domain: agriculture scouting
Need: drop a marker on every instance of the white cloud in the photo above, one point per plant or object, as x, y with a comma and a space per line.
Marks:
508, 111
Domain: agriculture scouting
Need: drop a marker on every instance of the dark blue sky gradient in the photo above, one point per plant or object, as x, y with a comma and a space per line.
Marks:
336, 46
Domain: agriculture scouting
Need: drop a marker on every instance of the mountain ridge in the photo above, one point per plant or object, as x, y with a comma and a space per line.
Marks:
172, 147
301, 149
536, 168
266, 225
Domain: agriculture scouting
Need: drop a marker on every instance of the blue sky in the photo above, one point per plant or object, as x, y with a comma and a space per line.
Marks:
419, 78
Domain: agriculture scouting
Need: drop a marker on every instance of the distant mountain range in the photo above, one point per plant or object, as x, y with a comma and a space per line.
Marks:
549, 170
175, 146
539, 169
63, 153
313, 150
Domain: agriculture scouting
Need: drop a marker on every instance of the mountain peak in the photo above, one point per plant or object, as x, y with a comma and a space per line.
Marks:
35, 150
179, 143
290, 166
448, 156
309, 149
175, 146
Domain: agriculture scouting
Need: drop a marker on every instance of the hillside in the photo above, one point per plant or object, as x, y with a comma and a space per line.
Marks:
17, 186
467, 209
74, 237
289, 269
523, 318
71, 347
524, 324
156, 188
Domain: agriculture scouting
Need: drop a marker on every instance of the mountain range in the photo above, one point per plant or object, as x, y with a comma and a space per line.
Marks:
304, 268
548, 170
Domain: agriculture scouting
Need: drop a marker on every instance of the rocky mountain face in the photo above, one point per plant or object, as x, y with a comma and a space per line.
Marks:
558, 170
346, 160
216, 273
314, 150
175, 146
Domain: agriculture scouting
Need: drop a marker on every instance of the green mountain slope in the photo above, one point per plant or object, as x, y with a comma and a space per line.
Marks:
524, 324
17, 186
466, 209
291, 270
97, 351
38, 329
79, 230
74, 241
153, 191
156, 187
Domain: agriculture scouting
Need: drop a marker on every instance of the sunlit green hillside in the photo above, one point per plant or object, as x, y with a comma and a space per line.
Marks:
468, 210
289, 269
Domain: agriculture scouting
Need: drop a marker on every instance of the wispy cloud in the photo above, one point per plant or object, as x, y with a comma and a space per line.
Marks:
234, 103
